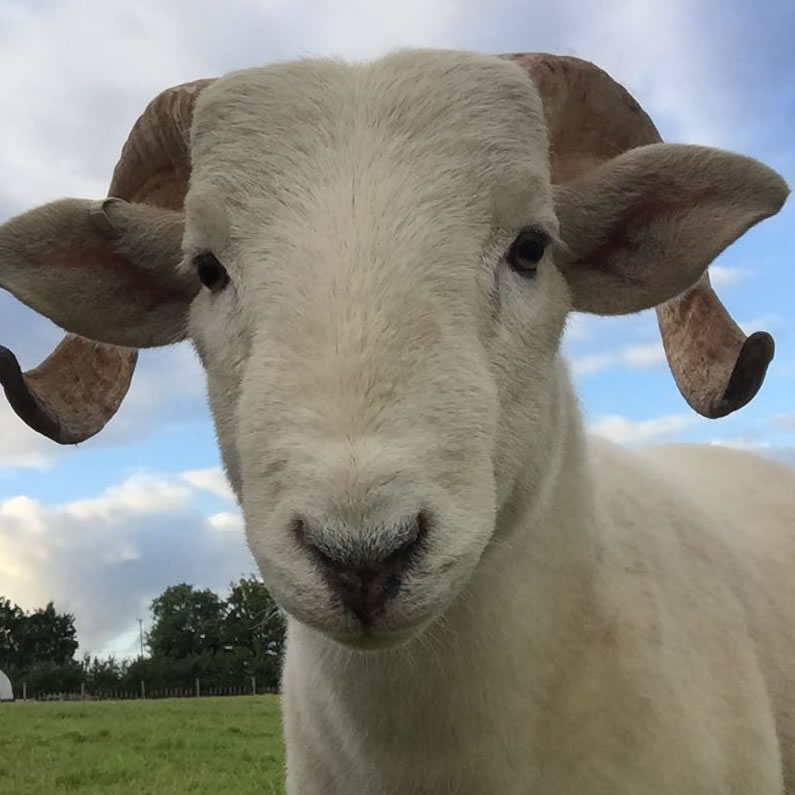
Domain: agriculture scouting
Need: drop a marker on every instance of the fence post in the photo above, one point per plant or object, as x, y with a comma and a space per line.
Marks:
143, 689
82, 691
253, 685
198, 690
24, 691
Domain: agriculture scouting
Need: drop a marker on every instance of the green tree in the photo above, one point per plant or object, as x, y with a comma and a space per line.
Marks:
45, 635
47, 676
102, 675
196, 634
186, 622
38, 648
253, 619
11, 620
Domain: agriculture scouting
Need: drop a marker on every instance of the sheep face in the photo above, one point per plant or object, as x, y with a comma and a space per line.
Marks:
378, 365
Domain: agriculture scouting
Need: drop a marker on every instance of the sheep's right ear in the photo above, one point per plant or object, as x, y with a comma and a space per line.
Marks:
104, 270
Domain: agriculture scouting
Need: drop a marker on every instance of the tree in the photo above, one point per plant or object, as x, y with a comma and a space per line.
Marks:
11, 618
255, 632
253, 619
47, 636
186, 622
47, 676
38, 648
103, 675
42, 636
195, 634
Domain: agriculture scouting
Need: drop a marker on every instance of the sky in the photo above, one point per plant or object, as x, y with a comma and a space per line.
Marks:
103, 527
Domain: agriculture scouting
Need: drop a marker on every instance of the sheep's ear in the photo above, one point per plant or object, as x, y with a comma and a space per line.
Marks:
642, 228
103, 270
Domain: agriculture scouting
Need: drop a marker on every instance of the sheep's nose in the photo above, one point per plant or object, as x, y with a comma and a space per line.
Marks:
364, 566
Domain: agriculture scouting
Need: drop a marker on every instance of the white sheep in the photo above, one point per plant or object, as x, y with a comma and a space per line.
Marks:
375, 263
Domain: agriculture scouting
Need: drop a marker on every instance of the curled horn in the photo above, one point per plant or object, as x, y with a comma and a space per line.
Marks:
591, 119
78, 388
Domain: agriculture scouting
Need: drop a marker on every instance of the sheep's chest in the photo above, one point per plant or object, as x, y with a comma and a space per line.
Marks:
403, 734
331, 756
425, 728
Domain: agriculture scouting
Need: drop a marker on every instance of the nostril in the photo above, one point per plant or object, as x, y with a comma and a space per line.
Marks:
364, 565
407, 552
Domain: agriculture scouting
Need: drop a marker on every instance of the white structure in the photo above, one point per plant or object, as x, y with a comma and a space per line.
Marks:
375, 263
6, 691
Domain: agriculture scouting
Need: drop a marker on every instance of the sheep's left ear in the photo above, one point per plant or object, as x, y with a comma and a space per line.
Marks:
642, 228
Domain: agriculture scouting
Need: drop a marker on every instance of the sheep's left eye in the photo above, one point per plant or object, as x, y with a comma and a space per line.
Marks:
527, 251
211, 273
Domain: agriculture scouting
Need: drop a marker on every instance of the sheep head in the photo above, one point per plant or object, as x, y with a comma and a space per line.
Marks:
375, 264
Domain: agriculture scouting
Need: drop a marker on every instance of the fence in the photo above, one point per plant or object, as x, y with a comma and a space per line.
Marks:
247, 688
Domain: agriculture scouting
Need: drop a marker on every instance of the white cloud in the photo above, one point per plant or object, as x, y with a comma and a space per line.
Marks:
21, 447
742, 443
634, 356
226, 522
140, 494
104, 558
783, 422
724, 275
212, 480
625, 431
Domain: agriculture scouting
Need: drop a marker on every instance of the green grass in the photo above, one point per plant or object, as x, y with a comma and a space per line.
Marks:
197, 746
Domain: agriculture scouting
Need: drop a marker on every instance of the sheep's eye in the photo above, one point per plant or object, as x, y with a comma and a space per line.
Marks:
212, 274
527, 251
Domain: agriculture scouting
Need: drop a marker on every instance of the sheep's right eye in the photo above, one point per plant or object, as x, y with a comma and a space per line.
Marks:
211, 273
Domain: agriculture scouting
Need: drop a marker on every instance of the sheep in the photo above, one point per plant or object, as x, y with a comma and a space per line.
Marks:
375, 263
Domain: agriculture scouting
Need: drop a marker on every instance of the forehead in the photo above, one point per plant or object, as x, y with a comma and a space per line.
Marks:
446, 122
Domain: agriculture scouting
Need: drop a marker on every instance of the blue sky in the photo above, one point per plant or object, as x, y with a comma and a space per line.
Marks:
103, 527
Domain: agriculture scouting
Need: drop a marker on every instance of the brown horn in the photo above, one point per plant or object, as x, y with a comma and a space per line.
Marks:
717, 368
73, 393
591, 119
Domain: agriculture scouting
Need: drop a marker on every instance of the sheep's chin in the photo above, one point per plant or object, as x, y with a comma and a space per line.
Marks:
370, 641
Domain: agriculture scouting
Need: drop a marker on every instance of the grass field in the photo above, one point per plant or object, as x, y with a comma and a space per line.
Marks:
208, 745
